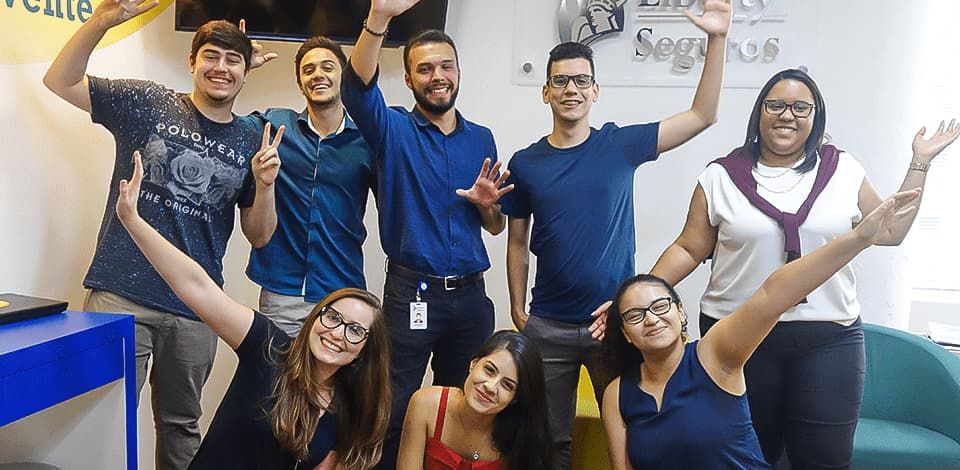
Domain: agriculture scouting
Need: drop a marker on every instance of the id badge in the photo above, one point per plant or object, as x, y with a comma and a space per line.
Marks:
418, 315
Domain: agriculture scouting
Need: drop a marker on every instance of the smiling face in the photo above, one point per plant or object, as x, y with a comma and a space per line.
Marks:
319, 77
218, 74
329, 346
654, 332
433, 76
783, 136
492, 383
571, 104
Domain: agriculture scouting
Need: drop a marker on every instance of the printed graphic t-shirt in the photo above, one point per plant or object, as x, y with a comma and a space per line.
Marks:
195, 172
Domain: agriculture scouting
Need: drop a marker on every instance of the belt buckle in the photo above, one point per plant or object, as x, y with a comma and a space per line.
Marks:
447, 280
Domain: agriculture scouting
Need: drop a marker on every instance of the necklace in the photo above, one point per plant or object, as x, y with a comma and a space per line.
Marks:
756, 171
781, 191
476, 451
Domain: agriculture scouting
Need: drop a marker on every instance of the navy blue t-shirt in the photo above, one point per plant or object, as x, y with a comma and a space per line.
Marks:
581, 200
321, 198
424, 225
196, 172
698, 425
240, 436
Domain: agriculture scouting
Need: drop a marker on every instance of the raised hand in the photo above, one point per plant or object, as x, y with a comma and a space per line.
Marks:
266, 162
486, 190
114, 12
924, 150
715, 19
258, 57
878, 224
130, 191
391, 8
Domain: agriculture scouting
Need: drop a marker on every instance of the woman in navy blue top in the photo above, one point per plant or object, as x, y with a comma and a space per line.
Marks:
683, 405
310, 402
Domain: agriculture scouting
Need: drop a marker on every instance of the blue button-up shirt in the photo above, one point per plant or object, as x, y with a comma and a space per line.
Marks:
424, 225
321, 197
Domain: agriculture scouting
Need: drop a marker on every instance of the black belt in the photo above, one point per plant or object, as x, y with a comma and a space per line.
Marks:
445, 282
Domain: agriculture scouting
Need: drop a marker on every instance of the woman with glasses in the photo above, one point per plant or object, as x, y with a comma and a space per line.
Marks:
783, 193
680, 405
314, 401
498, 420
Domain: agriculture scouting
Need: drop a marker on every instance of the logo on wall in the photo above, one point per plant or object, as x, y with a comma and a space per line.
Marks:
35, 31
587, 21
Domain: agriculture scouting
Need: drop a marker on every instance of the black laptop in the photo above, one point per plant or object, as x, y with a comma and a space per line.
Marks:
14, 307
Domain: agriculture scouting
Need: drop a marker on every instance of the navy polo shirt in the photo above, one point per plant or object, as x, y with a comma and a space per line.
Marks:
321, 197
424, 225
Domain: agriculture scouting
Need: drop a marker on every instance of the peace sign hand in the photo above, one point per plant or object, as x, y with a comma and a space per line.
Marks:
266, 162
486, 190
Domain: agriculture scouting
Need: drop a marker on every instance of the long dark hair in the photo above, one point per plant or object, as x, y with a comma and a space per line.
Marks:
359, 390
618, 353
521, 431
817, 136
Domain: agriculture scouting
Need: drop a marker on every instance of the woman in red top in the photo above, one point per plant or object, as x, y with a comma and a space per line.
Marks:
497, 421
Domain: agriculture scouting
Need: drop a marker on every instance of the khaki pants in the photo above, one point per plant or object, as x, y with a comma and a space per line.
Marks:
182, 352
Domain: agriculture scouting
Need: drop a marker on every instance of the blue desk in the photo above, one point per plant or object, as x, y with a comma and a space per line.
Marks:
48, 360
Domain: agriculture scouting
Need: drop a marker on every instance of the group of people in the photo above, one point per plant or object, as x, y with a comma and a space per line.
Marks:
330, 377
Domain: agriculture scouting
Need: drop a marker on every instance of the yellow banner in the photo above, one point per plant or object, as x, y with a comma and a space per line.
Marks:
35, 30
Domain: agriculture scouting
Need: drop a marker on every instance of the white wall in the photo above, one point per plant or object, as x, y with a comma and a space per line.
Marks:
56, 163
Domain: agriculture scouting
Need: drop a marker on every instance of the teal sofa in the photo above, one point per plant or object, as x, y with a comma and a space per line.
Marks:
910, 417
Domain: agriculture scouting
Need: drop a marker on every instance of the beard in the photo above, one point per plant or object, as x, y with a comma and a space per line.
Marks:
435, 108
321, 102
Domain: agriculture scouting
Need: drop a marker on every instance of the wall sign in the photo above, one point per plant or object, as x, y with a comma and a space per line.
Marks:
651, 42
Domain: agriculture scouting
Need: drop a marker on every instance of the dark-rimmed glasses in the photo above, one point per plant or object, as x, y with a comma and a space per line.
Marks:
353, 332
581, 81
658, 307
800, 109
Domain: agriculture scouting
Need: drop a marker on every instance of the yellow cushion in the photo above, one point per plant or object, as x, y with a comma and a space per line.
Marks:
589, 440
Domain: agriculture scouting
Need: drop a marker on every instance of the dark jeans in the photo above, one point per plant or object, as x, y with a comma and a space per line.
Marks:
805, 386
458, 321
564, 348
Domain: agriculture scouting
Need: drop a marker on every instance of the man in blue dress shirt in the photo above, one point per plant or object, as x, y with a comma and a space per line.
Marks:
321, 193
429, 225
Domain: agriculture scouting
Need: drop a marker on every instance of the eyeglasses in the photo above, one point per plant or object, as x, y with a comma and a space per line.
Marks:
800, 109
561, 81
658, 307
353, 332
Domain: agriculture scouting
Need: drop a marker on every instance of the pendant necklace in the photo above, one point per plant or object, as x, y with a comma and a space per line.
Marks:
476, 451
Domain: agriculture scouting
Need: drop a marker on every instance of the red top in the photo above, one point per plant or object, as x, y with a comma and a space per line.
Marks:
440, 457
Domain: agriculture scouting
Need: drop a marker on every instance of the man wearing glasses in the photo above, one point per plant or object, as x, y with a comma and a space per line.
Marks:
583, 235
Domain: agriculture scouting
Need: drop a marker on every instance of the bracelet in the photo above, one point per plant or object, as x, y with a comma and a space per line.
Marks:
375, 33
919, 166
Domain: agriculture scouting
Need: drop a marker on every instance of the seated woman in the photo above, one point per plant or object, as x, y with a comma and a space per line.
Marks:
497, 421
683, 405
308, 402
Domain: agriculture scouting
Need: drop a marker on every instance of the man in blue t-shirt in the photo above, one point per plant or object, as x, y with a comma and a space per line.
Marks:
321, 193
199, 164
577, 184
429, 225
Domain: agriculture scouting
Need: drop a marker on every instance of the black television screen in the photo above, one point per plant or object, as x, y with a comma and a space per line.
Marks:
296, 20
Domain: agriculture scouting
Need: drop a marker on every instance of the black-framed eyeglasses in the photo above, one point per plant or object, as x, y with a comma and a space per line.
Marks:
581, 81
800, 109
353, 332
658, 307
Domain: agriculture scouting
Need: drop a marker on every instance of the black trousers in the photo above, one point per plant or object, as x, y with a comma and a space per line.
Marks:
805, 386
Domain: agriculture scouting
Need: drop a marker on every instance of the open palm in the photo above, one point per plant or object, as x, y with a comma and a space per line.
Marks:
926, 149
716, 17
